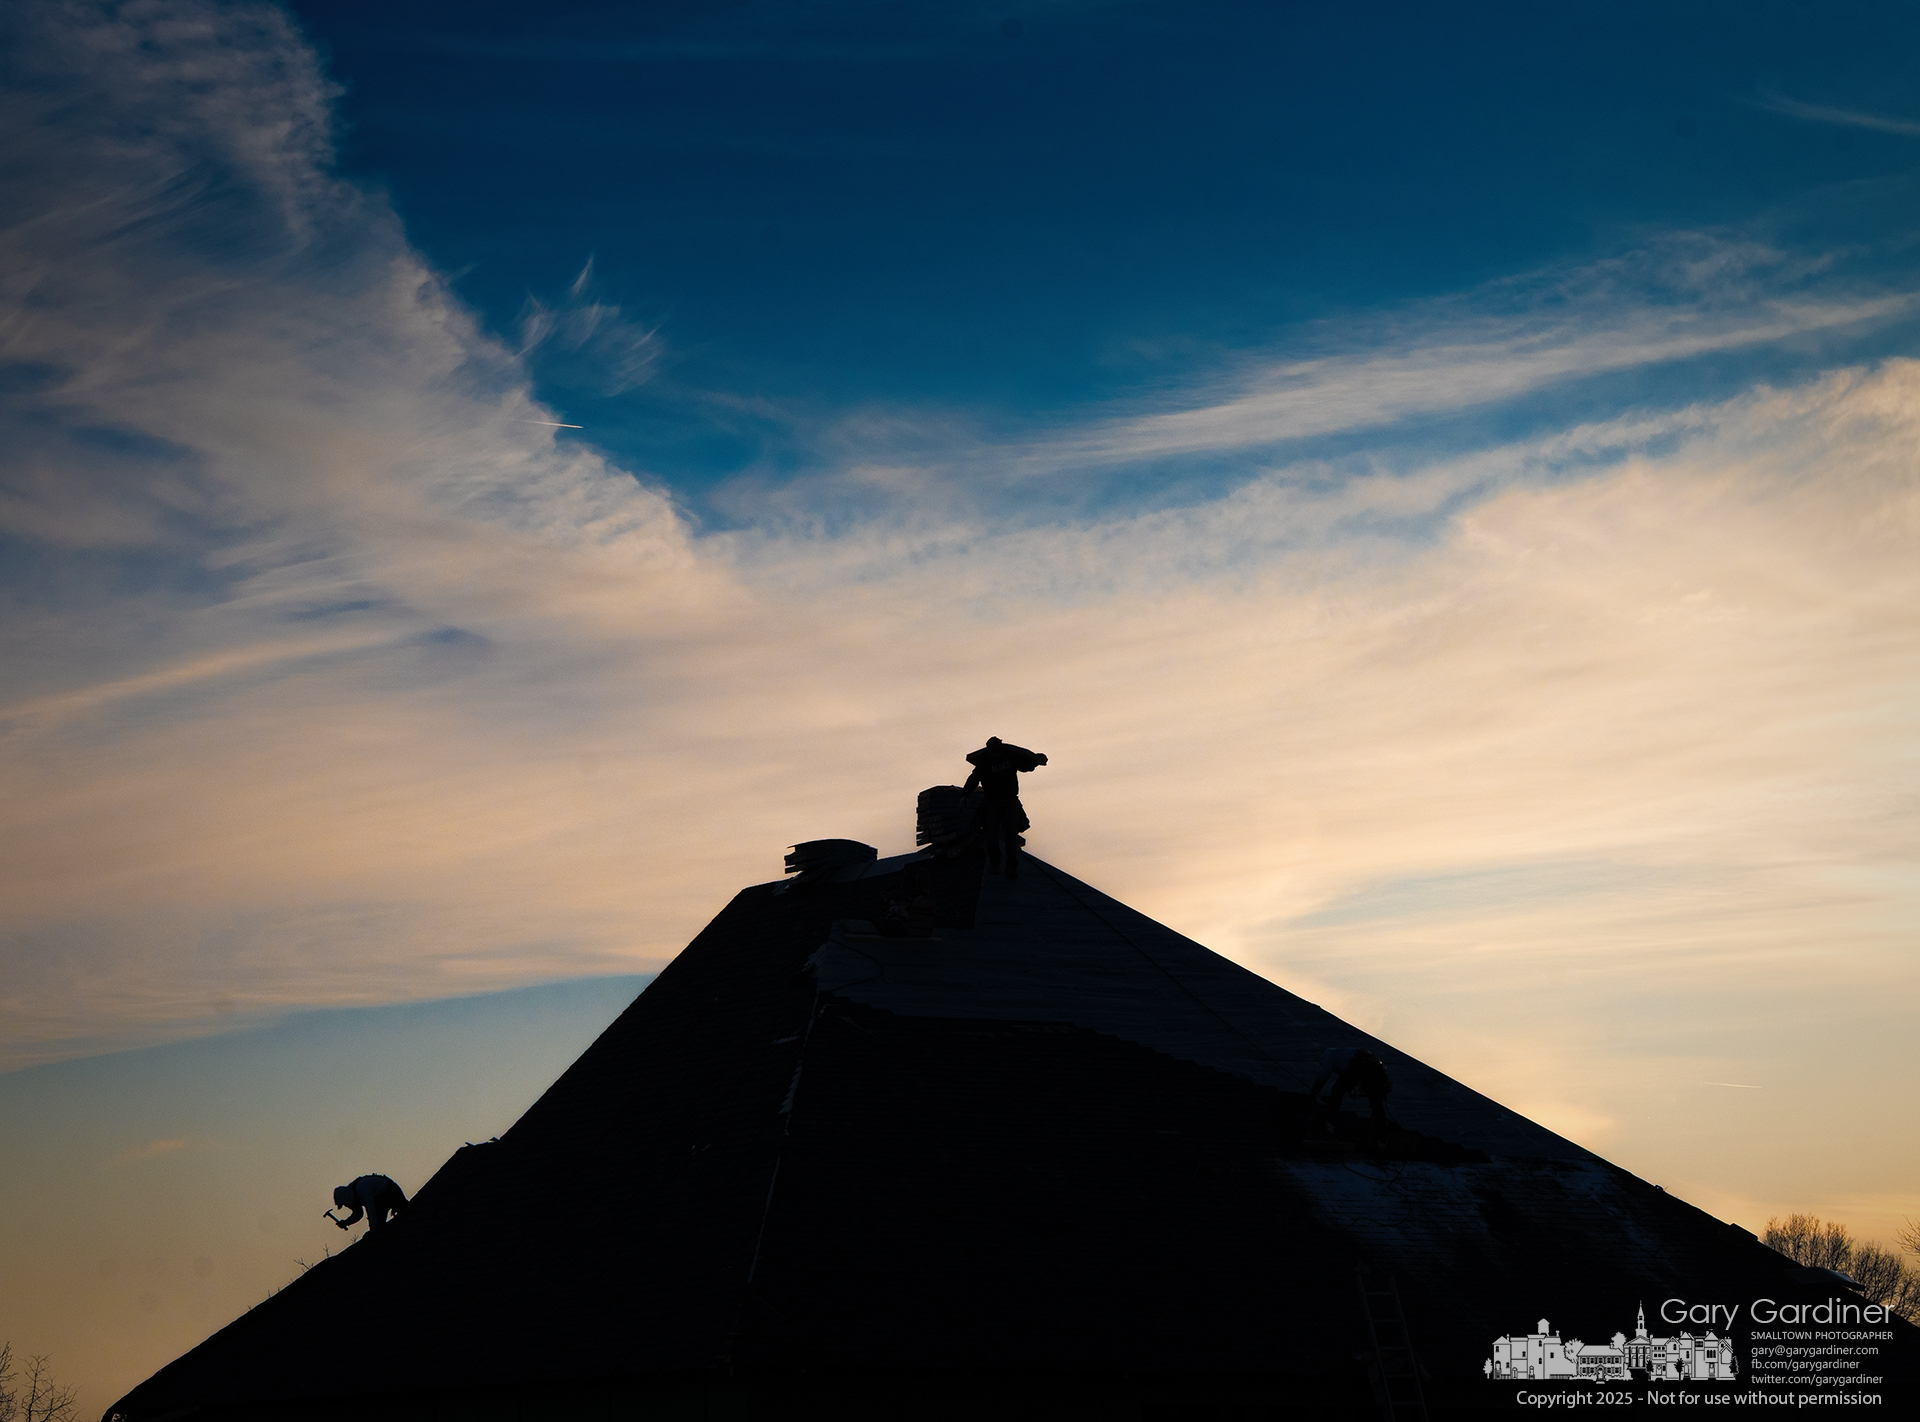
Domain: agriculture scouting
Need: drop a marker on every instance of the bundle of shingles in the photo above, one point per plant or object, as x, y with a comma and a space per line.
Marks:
945, 819
818, 858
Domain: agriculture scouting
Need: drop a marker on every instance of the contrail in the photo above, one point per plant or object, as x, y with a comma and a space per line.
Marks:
555, 423
1741, 1084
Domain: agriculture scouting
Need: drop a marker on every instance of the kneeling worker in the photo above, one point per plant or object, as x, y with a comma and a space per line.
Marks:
375, 1196
1352, 1069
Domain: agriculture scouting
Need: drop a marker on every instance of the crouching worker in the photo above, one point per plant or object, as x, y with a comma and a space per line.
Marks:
374, 1196
1352, 1069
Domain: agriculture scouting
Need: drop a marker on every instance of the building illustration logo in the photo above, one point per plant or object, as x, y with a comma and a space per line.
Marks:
1540, 1355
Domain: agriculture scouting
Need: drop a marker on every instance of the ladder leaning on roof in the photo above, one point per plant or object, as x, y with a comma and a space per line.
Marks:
1401, 1397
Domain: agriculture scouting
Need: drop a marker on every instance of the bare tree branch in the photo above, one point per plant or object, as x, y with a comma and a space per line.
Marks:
1881, 1274
46, 1400
1909, 1237
1806, 1240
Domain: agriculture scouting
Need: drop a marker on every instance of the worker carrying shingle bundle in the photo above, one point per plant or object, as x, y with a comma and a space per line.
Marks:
997, 768
375, 1196
1351, 1070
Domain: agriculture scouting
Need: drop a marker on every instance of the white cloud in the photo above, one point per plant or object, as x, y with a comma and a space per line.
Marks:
340, 682
1847, 118
588, 340
1453, 371
150, 1150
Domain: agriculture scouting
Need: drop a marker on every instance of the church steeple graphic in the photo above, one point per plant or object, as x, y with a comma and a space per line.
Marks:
1640, 1323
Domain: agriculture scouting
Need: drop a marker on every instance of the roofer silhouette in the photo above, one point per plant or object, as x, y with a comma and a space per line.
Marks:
997, 768
1352, 1069
375, 1196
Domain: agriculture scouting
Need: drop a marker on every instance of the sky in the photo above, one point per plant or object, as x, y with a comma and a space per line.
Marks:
480, 482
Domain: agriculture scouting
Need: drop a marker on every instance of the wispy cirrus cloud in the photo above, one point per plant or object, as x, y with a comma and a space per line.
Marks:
1456, 367
337, 680
588, 339
1846, 118
1577, 760
1400, 390
149, 1150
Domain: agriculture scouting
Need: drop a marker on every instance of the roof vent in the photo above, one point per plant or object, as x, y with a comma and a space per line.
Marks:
818, 858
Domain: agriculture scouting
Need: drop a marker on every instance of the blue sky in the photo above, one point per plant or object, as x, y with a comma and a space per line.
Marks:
1439, 484
1010, 215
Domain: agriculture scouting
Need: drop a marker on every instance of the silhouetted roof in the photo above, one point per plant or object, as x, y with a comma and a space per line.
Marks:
1055, 1139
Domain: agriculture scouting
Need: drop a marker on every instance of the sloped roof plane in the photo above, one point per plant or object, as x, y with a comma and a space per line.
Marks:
1046, 1157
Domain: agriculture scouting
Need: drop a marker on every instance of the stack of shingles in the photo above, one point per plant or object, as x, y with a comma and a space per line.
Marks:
945, 816
818, 858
